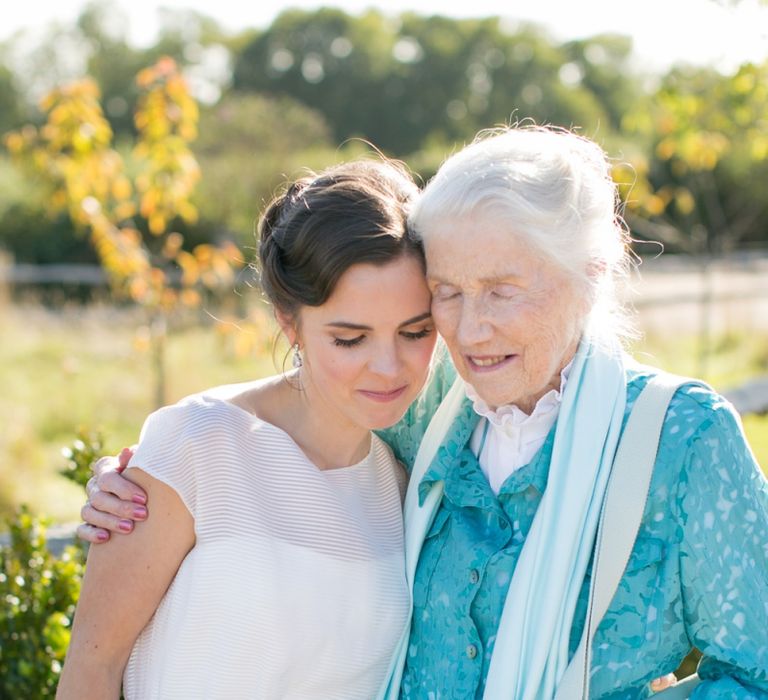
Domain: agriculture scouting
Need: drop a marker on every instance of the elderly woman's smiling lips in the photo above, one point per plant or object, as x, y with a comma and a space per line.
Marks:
488, 363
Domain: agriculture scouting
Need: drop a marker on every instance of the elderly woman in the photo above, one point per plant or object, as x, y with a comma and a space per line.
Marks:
523, 254
523, 251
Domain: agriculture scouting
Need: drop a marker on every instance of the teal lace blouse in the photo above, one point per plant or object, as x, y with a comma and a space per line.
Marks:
697, 577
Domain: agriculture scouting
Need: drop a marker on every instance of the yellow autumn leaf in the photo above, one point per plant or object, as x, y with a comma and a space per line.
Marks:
190, 270
157, 277
203, 253
124, 210
190, 298
138, 289
759, 148
168, 298
172, 244
666, 148
157, 223
121, 188
188, 212
654, 205
684, 201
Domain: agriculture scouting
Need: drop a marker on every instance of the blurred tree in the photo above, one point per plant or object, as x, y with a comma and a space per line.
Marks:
701, 189
11, 104
73, 152
601, 64
112, 62
248, 145
326, 59
403, 82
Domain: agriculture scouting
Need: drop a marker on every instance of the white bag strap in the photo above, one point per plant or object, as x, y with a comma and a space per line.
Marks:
620, 519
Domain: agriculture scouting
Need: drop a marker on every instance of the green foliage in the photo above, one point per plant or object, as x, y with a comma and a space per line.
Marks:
703, 160
38, 593
400, 83
11, 105
112, 62
83, 452
248, 145
418, 87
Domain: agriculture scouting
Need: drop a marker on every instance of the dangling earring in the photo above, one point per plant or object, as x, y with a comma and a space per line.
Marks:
296, 361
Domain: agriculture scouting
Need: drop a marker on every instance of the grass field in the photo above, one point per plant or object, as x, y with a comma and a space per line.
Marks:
90, 369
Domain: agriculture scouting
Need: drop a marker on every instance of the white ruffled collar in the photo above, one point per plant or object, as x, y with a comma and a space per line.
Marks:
510, 417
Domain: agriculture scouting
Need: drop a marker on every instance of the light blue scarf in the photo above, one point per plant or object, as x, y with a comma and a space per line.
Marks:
531, 650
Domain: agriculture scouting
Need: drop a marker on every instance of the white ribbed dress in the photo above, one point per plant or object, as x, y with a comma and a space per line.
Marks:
295, 587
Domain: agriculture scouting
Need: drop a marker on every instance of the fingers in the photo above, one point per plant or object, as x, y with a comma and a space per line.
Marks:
103, 465
111, 502
124, 457
91, 534
113, 483
664, 682
114, 503
99, 517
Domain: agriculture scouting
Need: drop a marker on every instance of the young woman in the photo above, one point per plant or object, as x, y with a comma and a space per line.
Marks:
272, 565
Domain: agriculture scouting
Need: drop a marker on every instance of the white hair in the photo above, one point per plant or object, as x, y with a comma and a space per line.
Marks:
554, 189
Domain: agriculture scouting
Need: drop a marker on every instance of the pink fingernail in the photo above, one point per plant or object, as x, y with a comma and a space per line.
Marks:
139, 512
102, 536
125, 525
139, 498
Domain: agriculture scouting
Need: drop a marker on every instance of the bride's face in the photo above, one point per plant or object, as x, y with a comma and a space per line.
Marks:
366, 351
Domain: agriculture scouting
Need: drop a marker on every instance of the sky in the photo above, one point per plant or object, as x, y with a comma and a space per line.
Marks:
722, 33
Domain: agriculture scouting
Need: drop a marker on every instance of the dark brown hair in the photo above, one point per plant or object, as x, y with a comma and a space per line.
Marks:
323, 224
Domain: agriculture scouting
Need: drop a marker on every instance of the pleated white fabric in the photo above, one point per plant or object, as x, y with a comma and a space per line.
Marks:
295, 587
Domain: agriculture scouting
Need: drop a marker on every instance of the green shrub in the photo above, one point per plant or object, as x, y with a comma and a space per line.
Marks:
38, 593
85, 450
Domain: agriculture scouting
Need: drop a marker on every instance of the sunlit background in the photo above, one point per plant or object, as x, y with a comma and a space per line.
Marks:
140, 141
677, 93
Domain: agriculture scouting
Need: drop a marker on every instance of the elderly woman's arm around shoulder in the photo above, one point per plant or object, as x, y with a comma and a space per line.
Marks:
124, 583
724, 557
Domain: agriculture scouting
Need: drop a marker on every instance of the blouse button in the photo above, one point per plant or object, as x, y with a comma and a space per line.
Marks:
471, 651
474, 576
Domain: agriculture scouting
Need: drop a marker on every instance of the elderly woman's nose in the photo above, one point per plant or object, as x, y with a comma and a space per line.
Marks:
473, 324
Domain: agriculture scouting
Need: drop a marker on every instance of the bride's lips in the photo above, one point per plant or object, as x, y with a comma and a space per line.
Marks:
488, 363
384, 396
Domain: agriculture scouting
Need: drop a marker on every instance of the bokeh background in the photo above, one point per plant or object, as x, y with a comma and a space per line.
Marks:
141, 141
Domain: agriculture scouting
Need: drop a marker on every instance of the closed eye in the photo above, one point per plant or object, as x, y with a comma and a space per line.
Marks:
417, 335
348, 342
444, 292
504, 291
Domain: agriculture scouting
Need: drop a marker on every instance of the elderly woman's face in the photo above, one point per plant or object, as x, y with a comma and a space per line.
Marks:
511, 320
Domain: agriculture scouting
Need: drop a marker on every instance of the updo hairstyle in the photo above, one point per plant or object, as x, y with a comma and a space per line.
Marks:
323, 224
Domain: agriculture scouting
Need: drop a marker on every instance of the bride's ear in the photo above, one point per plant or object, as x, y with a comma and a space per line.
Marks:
288, 325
